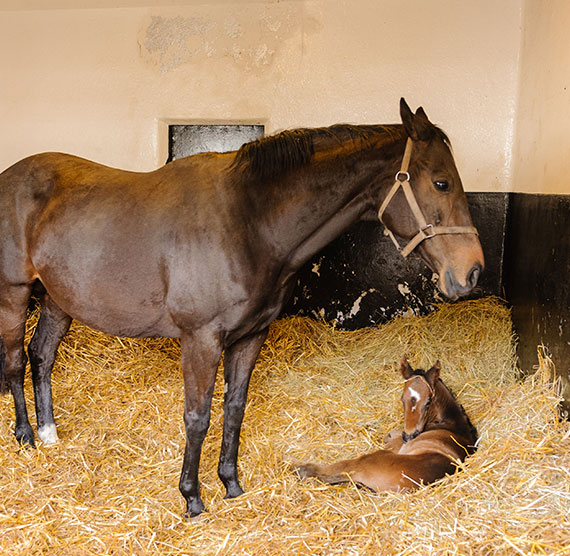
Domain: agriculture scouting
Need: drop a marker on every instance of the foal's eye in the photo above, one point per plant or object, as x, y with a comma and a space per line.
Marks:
441, 185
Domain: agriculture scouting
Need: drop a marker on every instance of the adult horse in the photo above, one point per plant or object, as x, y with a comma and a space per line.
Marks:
206, 249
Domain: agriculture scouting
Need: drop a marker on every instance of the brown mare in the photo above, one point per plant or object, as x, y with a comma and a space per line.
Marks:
437, 432
206, 248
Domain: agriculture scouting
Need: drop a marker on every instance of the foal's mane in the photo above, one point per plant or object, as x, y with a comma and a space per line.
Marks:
273, 155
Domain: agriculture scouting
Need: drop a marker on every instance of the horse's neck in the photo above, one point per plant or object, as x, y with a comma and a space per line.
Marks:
450, 414
316, 203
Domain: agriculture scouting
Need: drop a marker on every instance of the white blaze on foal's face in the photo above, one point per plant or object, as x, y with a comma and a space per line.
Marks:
414, 397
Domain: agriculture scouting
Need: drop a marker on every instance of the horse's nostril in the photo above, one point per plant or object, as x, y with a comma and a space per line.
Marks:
473, 276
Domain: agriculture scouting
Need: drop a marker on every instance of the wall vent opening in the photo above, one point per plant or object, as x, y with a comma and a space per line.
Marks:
185, 140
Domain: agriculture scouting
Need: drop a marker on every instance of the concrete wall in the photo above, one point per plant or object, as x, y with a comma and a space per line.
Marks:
542, 150
103, 83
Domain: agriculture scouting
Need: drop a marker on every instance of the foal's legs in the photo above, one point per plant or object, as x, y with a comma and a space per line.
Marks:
13, 310
201, 353
51, 328
239, 360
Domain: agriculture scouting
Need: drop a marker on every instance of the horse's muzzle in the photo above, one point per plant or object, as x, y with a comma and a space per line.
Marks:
407, 437
454, 289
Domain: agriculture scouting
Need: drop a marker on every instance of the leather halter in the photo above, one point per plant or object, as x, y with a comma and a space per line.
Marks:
426, 231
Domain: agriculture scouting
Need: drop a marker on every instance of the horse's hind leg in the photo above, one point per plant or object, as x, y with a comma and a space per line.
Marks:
13, 311
334, 473
51, 329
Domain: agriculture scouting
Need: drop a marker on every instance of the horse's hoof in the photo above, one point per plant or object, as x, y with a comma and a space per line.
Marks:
25, 437
48, 434
305, 470
233, 491
193, 509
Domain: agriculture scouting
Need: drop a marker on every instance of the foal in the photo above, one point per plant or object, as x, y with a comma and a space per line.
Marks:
437, 433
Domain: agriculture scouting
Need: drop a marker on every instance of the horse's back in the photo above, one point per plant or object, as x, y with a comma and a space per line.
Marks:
118, 238
439, 441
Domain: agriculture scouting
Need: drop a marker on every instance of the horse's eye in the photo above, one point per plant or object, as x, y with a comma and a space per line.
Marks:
441, 185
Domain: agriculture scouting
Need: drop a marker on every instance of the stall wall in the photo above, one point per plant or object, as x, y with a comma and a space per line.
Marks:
541, 162
103, 83
537, 258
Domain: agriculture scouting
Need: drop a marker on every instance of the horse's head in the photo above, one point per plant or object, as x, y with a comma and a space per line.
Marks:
431, 211
417, 397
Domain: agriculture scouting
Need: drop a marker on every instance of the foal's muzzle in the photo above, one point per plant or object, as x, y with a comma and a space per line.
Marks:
407, 437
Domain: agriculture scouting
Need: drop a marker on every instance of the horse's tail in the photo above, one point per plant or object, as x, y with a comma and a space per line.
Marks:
3, 381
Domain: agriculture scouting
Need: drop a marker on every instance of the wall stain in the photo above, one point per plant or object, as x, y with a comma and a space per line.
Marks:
249, 38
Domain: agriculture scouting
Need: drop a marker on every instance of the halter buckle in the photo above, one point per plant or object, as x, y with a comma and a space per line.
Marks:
426, 234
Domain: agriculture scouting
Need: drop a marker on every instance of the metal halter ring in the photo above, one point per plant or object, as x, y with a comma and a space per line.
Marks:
426, 234
402, 176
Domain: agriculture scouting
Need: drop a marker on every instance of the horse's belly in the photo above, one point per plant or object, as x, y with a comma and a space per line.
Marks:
123, 298
113, 310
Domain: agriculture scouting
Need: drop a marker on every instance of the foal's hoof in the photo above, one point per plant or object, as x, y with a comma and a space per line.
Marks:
305, 470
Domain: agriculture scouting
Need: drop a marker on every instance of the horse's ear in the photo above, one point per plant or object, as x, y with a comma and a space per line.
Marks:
433, 374
417, 125
405, 369
407, 118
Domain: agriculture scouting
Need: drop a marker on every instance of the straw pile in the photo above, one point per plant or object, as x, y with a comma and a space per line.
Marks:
110, 485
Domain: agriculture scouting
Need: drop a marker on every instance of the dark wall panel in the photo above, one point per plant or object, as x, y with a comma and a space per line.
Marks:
360, 279
537, 277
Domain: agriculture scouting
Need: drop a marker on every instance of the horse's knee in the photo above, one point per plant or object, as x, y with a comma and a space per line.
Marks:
196, 423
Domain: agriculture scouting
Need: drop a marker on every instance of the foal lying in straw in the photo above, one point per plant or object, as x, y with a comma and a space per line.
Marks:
437, 433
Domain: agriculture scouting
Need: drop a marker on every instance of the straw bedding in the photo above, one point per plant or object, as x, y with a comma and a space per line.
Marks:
110, 485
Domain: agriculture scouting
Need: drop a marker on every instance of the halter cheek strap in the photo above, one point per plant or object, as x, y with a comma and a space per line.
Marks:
425, 230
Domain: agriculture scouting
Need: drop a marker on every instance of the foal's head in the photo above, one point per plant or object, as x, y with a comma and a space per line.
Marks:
418, 395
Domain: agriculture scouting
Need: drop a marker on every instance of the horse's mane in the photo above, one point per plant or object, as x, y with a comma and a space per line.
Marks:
472, 429
270, 156
273, 155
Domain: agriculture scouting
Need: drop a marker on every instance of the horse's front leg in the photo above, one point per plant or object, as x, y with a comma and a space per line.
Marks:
239, 360
200, 358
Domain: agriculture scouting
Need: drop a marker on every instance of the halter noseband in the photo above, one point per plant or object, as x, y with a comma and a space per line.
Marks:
426, 231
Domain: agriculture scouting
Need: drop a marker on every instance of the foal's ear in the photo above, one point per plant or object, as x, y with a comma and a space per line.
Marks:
433, 374
417, 125
405, 369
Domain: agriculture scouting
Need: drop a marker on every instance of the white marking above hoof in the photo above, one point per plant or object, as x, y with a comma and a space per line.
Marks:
48, 434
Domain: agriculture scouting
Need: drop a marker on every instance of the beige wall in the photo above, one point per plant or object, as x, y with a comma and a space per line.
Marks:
542, 149
101, 83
